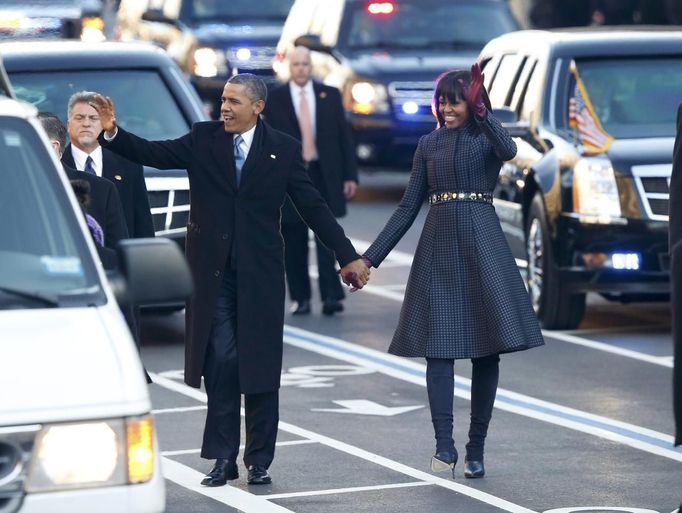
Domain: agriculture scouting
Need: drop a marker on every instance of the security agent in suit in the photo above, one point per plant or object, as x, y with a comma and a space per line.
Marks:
313, 113
85, 153
104, 206
240, 171
675, 243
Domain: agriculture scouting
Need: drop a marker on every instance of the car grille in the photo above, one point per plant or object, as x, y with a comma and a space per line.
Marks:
169, 202
261, 58
16, 447
419, 93
653, 184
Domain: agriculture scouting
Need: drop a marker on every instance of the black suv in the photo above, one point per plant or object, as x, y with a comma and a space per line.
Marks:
584, 204
210, 39
153, 99
385, 55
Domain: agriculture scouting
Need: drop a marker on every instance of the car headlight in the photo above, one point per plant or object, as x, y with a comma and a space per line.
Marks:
90, 454
364, 97
209, 62
92, 29
595, 191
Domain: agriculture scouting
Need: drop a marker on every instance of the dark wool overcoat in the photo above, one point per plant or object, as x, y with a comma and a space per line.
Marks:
465, 297
675, 214
242, 224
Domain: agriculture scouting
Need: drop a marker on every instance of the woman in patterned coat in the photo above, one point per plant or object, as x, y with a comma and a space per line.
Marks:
464, 297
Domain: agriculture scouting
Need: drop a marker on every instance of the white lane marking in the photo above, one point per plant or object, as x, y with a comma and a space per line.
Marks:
663, 361
378, 290
414, 372
365, 407
334, 491
181, 409
354, 451
245, 502
241, 447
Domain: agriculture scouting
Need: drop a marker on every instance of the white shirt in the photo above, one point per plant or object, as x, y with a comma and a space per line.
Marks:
79, 158
295, 91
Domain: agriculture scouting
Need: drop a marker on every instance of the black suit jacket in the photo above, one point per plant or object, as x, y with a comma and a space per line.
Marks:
243, 221
675, 227
128, 177
335, 147
105, 206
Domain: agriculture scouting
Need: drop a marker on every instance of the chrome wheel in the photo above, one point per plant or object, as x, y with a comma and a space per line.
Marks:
534, 272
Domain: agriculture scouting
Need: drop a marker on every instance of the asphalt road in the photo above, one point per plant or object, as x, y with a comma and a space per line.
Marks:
583, 424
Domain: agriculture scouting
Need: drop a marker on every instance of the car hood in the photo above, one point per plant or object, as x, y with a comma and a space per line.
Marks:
626, 153
68, 364
404, 66
218, 34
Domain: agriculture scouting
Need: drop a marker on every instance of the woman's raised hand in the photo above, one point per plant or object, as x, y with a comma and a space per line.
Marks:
473, 94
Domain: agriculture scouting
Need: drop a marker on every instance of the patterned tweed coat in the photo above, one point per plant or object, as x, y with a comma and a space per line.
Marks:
465, 297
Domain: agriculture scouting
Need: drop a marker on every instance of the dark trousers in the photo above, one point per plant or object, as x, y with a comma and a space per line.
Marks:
221, 378
440, 386
295, 234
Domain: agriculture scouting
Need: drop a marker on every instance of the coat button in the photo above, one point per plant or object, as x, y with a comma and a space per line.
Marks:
217, 273
224, 236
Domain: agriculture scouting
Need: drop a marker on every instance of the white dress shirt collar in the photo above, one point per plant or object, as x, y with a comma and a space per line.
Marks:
79, 158
248, 139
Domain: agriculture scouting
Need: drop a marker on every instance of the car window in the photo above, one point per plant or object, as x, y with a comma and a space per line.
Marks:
633, 97
504, 79
44, 260
236, 9
424, 24
144, 105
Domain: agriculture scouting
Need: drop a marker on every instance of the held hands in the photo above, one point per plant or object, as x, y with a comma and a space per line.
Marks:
473, 94
355, 273
107, 116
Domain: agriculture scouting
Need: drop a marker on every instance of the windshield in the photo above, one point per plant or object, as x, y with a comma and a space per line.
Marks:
144, 105
425, 24
634, 98
44, 260
237, 9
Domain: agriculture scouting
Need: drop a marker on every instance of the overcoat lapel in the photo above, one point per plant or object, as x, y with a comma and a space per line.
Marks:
291, 113
222, 152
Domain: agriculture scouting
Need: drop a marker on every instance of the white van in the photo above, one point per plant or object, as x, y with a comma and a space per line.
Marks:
76, 433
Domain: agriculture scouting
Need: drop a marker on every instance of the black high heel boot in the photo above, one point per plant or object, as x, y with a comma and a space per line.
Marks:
474, 469
444, 460
440, 386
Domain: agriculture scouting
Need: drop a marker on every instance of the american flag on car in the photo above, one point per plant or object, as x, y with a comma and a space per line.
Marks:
584, 120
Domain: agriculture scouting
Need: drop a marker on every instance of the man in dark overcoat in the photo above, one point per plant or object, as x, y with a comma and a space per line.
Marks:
240, 171
675, 243
313, 114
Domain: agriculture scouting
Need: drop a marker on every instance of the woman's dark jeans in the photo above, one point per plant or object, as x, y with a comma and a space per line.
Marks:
440, 386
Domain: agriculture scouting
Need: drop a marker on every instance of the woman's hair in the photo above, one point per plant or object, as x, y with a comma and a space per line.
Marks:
448, 87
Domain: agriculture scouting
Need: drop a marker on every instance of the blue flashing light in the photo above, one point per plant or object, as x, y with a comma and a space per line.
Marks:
626, 261
410, 108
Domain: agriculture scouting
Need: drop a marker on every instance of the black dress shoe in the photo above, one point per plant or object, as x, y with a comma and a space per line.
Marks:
474, 469
444, 461
258, 474
222, 472
300, 307
331, 306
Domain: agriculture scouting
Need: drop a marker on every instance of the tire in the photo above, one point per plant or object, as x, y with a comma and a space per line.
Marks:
555, 307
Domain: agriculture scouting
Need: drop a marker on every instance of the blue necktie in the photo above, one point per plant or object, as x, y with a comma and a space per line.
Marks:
89, 168
238, 156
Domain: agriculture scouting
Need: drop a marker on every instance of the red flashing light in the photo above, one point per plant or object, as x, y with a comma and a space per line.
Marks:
381, 8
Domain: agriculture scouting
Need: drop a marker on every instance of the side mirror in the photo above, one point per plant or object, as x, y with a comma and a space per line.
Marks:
511, 122
313, 43
157, 16
152, 271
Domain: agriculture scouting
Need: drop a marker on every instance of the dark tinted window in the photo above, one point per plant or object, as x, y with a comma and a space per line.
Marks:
425, 24
42, 248
144, 105
633, 97
236, 9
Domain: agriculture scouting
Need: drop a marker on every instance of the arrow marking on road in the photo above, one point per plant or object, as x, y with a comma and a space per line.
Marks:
365, 407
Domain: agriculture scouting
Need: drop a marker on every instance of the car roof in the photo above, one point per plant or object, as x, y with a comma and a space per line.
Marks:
65, 55
591, 41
